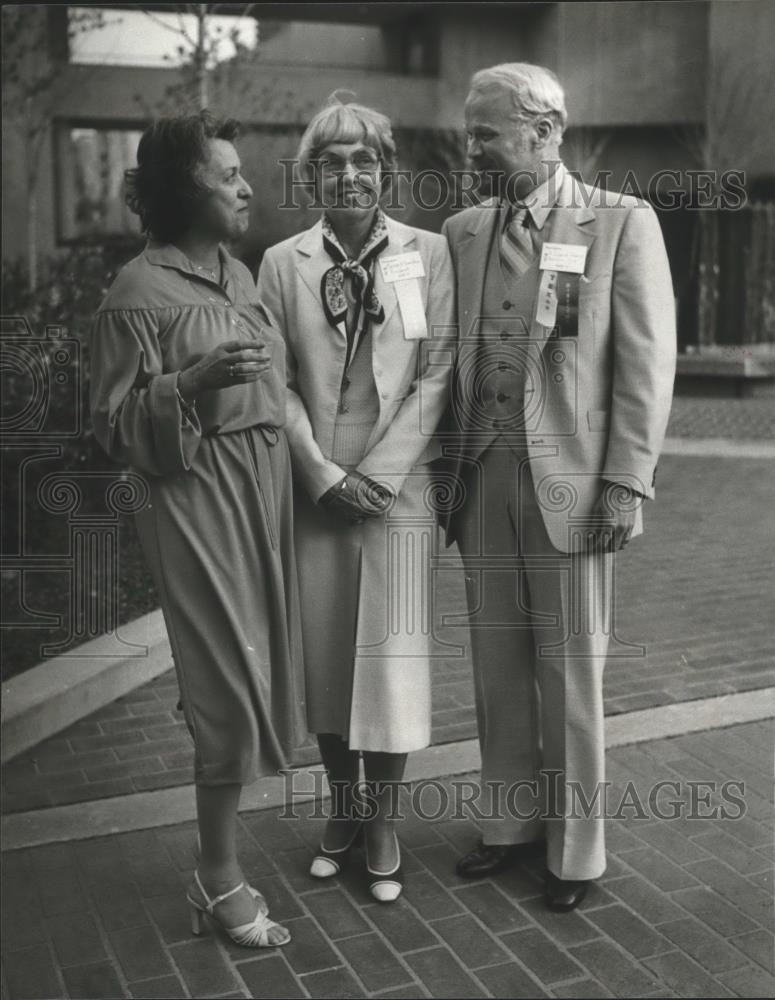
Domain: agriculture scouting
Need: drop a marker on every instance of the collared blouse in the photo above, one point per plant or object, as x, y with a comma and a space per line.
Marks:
160, 316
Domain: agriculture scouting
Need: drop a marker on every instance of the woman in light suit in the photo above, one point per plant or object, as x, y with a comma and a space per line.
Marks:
366, 308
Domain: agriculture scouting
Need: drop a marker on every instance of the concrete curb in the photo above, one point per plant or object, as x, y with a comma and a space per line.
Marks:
48, 698
169, 806
718, 448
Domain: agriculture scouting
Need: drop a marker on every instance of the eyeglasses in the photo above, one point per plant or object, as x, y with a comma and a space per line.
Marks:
362, 162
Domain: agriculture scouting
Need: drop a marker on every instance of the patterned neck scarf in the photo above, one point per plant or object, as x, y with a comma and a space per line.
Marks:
332, 290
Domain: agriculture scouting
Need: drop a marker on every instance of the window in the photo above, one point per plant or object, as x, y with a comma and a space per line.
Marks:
91, 160
116, 37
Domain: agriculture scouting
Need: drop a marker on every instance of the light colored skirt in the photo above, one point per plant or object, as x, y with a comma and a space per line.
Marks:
366, 613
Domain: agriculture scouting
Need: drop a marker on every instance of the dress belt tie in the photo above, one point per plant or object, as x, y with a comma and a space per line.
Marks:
269, 433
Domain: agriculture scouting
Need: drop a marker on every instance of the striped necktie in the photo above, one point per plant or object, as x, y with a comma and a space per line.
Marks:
517, 247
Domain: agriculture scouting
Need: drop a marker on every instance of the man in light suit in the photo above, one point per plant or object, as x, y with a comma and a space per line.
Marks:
561, 397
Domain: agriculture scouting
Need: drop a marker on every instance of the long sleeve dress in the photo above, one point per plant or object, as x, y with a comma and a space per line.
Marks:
217, 529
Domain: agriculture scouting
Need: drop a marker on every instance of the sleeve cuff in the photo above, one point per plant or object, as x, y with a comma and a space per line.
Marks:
176, 431
631, 483
186, 408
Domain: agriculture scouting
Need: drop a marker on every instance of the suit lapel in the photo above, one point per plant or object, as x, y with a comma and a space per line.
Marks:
473, 250
399, 236
389, 334
570, 221
472, 253
312, 262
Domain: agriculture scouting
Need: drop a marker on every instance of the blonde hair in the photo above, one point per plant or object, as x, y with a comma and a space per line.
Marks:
535, 90
341, 122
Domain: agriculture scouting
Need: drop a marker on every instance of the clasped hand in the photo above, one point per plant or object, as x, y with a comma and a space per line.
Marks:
357, 497
614, 516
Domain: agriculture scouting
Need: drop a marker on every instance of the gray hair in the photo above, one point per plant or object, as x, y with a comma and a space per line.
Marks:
340, 122
535, 90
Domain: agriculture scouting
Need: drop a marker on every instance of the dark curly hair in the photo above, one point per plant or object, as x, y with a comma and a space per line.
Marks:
164, 187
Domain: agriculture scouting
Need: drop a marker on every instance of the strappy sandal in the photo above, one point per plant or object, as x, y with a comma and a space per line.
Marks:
327, 863
263, 906
251, 935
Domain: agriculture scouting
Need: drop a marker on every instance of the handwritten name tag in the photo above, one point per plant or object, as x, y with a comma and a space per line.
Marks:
402, 266
566, 257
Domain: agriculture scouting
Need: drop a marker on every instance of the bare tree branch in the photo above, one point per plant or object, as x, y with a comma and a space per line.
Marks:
152, 16
182, 29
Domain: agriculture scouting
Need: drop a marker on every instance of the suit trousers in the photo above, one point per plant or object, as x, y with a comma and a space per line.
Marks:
540, 622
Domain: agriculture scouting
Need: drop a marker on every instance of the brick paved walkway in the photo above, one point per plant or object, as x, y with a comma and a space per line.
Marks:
741, 419
684, 909
694, 591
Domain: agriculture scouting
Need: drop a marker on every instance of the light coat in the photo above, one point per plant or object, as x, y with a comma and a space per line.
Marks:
412, 376
605, 394
379, 699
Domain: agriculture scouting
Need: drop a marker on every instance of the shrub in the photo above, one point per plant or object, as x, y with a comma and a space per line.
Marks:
35, 540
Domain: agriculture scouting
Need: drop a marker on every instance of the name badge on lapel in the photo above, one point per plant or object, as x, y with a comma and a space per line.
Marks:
404, 271
562, 265
568, 257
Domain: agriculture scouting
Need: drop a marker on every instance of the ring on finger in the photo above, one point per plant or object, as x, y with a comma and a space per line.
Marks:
232, 370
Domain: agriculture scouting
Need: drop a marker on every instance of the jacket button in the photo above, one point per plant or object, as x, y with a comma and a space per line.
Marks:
504, 335
507, 304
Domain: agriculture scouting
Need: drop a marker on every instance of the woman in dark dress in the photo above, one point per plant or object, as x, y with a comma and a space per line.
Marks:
188, 387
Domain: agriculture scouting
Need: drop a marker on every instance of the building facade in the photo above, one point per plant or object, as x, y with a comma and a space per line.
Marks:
656, 92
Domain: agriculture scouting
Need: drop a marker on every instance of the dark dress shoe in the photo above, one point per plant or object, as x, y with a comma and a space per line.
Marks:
489, 859
563, 895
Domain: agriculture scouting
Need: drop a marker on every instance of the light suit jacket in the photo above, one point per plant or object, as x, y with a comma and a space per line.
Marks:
606, 394
412, 376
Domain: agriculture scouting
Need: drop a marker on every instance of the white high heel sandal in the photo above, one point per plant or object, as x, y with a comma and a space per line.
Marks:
254, 934
263, 906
